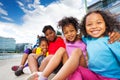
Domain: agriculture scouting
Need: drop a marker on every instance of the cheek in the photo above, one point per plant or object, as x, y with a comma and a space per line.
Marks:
53, 34
65, 36
105, 27
47, 37
87, 29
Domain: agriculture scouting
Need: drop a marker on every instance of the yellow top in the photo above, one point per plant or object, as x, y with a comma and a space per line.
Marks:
38, 51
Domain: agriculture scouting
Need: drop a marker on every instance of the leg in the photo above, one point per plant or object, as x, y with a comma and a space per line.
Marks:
45, 62
19, 71
24, 59
32, 62
35, 75
55, 61
25, 56
83, 61
70, 66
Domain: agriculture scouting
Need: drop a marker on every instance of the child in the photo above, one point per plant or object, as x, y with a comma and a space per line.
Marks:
75, 48
55, 43
104, 60
40, 50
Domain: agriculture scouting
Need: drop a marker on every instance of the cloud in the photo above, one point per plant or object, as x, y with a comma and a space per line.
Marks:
1, 4
6, 18
20, 3
3, 12
35, 19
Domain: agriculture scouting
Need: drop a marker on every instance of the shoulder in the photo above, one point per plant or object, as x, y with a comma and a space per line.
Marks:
38, 48
59, 39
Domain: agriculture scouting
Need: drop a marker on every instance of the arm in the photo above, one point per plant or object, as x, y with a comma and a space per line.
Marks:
34, 50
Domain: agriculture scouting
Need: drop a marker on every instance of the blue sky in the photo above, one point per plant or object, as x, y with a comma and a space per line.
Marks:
14, 12
24, 19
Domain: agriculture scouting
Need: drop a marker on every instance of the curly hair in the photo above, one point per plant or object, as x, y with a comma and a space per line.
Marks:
110, 21
68, 20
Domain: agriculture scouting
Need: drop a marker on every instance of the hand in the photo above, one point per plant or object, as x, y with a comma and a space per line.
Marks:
44, 50
114, 36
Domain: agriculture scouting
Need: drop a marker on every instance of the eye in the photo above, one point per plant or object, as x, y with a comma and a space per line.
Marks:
50, 32
71, 30
65, 32
89, 25
99, 22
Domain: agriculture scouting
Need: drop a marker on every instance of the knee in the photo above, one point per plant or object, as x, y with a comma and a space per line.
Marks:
30, 56
61, 51
46, 59
77, 52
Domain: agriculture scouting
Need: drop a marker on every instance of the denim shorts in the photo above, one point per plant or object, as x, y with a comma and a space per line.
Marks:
39, 59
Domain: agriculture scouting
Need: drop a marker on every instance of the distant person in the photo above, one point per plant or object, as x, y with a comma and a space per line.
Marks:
37, 42
19, 68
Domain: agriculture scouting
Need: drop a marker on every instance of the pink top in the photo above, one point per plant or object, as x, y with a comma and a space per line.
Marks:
78, 44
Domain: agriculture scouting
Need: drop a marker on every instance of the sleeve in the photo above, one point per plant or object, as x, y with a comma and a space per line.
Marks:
84, 39
47, 53
61, 43
115, 48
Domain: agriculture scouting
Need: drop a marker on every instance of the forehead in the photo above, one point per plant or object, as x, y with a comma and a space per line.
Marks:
69, 26
43, 41
94, 17
48, 31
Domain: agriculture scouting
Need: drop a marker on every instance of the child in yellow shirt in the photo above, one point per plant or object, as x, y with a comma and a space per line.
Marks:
38, 53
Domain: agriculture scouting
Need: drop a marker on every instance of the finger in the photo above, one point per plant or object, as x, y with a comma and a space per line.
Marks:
111, 37
114, 38
109, 33
112, 34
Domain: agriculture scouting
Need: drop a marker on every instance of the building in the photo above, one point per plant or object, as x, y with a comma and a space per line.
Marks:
7, 44
20, 47
112, 5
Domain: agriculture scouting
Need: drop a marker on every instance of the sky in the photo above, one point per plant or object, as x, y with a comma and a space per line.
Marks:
23, 20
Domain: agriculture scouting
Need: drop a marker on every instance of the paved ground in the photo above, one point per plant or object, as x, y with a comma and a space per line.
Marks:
7, 74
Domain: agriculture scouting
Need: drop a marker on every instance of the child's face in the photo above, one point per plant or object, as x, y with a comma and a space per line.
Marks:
69, 32
95, 25
50, 35
44, 46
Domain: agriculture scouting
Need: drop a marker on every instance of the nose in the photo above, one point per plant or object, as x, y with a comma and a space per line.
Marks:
69, 33
94, 25
46, 47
